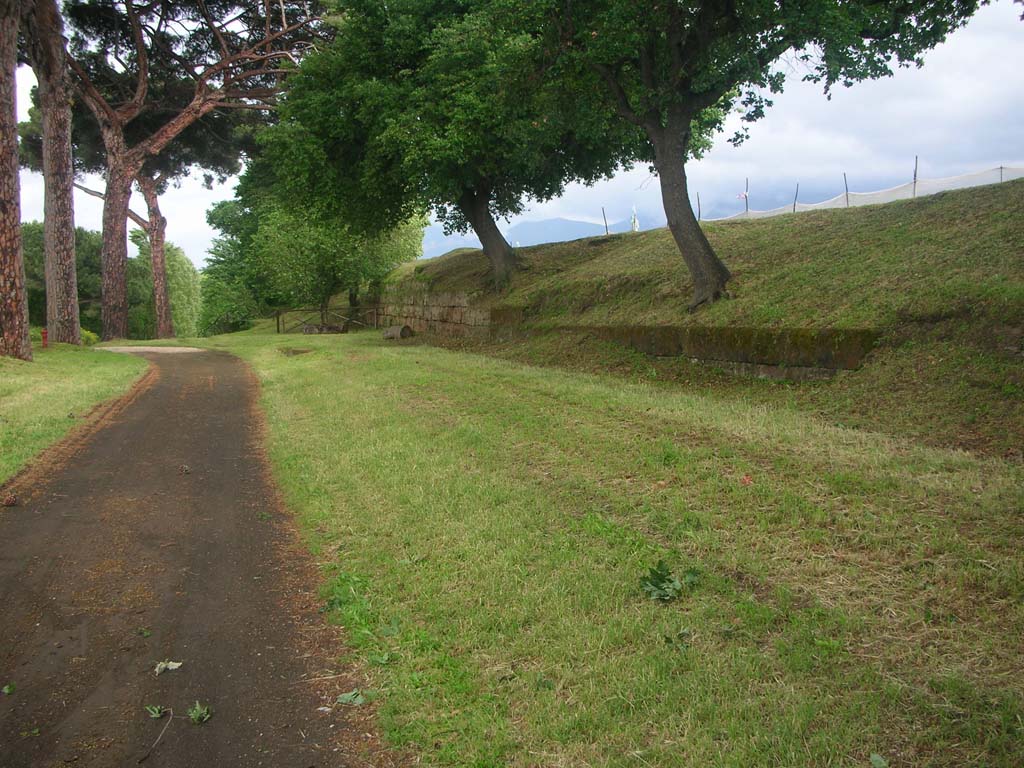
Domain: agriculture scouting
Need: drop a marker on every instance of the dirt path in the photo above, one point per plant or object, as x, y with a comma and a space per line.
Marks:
158, 537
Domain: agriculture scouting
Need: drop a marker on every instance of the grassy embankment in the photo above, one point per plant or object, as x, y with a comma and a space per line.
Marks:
942, 277
42, 401
483, 527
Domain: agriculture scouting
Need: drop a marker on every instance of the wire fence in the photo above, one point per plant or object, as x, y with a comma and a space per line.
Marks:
916, 188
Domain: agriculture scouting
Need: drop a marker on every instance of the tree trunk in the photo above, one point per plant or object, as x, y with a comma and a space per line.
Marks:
475, 205
157, 232
44, 30
14, 339
324, 306
708, 273
114, 287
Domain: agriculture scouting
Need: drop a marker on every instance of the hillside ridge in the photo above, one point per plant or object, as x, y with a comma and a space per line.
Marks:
954, 254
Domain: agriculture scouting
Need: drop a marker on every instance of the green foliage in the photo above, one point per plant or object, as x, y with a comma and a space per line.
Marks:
155, 711
8, 690
662, 66
661, 584
414, 104
88, 245
227, 305
355, 698
182, 284
199, 713
182, 287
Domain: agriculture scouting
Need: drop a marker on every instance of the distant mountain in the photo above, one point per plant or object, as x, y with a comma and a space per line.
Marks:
555, 231
527, 233
435, 242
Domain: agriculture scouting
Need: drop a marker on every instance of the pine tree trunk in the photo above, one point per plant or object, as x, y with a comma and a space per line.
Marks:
475, 205
708, 273
44, 29
14, 339
114, 286
157, 232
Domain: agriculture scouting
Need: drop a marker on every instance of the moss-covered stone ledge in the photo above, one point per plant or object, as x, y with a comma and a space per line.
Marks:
836, 349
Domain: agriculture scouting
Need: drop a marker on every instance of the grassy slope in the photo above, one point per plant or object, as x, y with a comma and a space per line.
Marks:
40, 401
942, 277
953, 254
484, 525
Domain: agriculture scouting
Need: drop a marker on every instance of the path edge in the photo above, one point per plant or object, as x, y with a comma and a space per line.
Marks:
56, 455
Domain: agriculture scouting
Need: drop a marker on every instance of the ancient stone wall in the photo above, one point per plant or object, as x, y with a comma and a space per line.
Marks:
448, 314
787, 352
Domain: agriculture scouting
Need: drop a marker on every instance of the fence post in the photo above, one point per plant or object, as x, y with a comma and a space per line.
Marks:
605, 217
277, 315
915, 176
746, 197
698, 206
796, 195
1000, 174
846, 185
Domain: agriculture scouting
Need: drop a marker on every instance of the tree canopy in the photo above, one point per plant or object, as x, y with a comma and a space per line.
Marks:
660, 66
439, 106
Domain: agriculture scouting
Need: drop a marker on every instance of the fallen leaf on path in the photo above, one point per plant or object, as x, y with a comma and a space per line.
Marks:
164, 666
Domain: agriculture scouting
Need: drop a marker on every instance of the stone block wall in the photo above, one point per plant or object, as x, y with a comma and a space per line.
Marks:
448, 314
776, 352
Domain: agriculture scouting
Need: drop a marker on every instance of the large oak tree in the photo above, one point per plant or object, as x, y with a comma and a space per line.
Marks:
660, 64
433, 104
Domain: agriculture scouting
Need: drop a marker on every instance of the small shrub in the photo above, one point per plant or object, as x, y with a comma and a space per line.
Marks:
89, 338
661, 584
199, 713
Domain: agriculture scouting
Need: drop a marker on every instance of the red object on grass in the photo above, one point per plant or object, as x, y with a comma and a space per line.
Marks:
46, 335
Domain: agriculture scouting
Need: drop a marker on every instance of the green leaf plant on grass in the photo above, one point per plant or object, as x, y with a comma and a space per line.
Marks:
661, 584
356, 697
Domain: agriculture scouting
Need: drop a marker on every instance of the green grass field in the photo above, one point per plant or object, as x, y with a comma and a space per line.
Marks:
42, 401
483, 528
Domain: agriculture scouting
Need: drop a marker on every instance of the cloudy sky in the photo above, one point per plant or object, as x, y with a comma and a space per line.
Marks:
963, 112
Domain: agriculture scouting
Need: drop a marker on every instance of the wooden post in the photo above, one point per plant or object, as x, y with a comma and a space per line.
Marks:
698, 206
277, 314
847, 186
915, 175
1000, 174
605, 221
796, 195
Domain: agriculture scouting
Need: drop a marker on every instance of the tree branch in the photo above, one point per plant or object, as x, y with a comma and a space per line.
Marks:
622, 105
130, 110
131, 214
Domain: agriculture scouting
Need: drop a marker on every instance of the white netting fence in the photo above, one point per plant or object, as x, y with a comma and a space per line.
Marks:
918, 188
